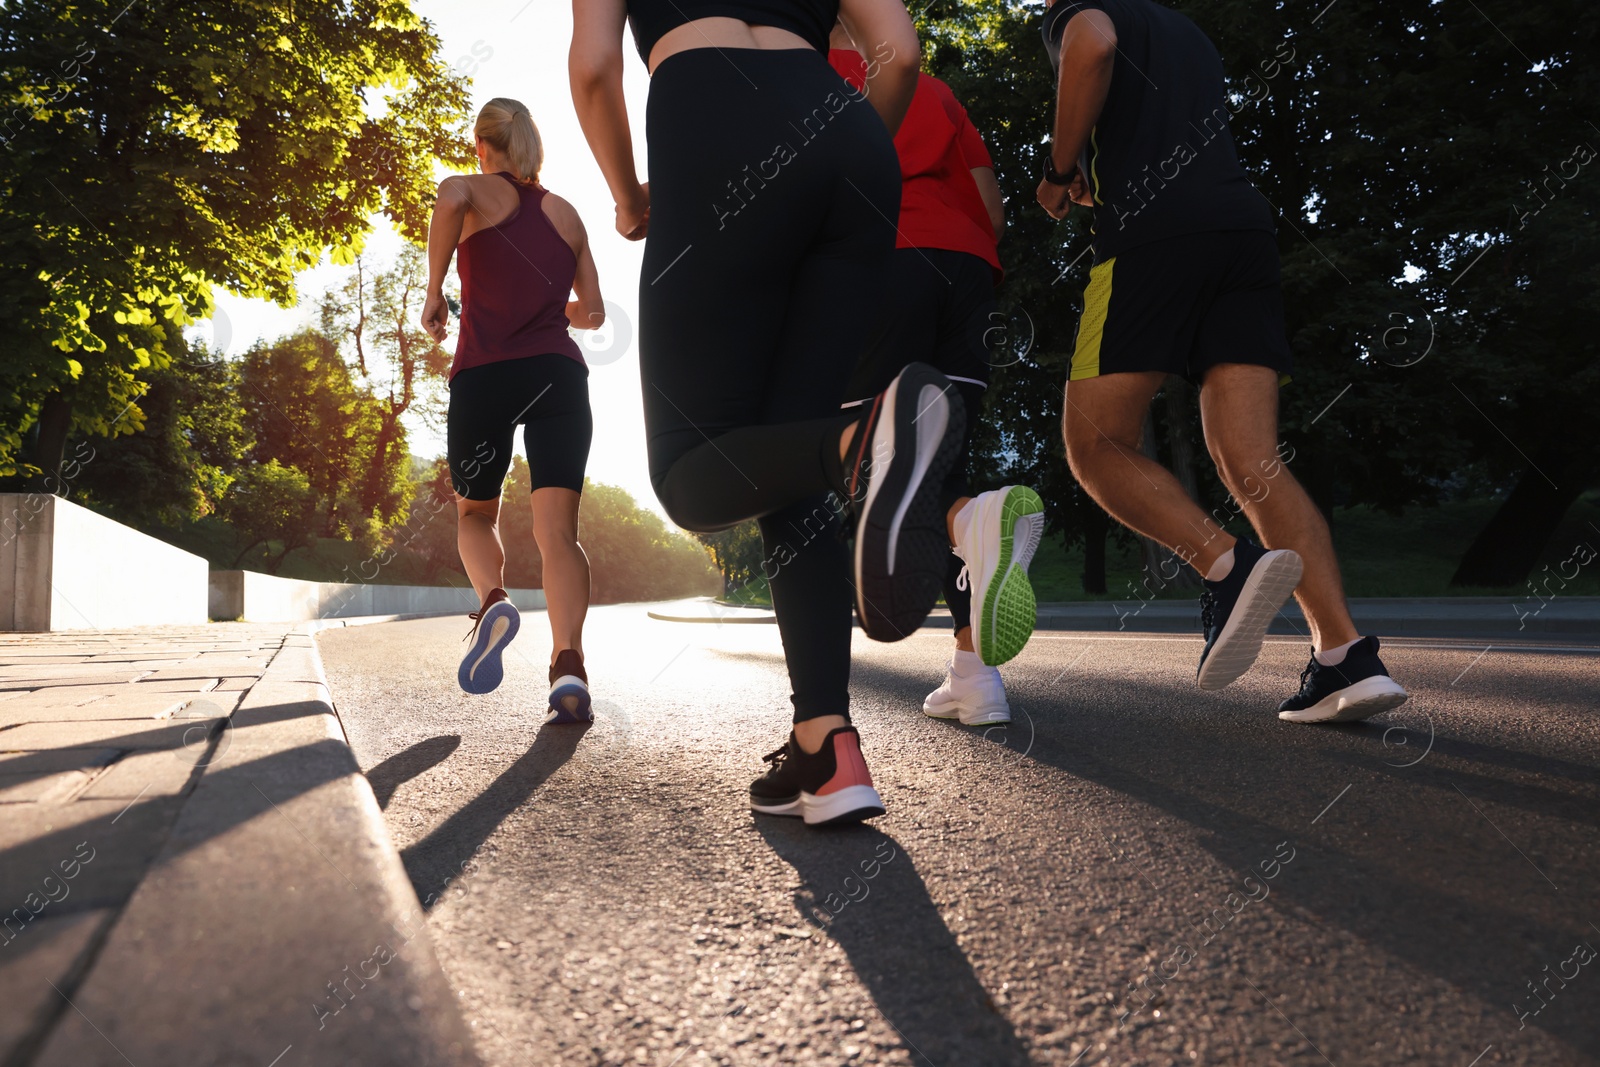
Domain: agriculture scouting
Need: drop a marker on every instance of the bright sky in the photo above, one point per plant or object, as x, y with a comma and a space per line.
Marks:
518, 48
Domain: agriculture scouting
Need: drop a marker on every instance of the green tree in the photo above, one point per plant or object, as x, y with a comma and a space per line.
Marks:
270, 503
180, 465
1374, 131
737, 553
156, 150
378, 315
633, 555
304, 408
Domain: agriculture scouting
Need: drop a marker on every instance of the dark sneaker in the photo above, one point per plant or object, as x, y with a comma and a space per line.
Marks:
569, 690
493, 627
833, 786
903, 448
1236, 611
1358, 688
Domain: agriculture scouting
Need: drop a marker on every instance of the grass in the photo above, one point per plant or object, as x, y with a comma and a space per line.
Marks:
1410, 555
327, 560
1381, 555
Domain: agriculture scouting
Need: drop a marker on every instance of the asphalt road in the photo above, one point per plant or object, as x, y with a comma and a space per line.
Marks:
1135, 872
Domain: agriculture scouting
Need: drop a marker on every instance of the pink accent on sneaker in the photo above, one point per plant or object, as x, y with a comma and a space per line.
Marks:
850, 767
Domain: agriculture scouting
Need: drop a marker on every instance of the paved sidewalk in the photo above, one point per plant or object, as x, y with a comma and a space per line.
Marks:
192, 868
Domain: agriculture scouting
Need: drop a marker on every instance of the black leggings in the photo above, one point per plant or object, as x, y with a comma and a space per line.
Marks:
773, 190
939, 309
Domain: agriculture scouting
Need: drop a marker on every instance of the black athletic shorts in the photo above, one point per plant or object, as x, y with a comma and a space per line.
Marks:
1183, 305
548, 395
938, 308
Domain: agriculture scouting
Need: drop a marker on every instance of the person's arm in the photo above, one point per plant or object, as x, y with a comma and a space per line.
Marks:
444, 233
993, 202
588, 311
884, 34
1088, 53
594, 67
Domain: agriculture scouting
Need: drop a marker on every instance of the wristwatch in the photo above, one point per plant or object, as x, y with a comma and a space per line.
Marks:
1051, 176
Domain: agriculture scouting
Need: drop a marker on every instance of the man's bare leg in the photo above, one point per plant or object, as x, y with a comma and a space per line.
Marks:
1239, 411
1103, 424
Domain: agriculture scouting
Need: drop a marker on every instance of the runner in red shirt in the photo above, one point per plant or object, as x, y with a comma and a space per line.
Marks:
939, 308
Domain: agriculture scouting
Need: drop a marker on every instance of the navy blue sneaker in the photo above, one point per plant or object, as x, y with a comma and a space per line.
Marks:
1358, 688
1236, 611
569, 690
495, 624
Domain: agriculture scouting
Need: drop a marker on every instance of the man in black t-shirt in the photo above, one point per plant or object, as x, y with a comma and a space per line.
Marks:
1185, 281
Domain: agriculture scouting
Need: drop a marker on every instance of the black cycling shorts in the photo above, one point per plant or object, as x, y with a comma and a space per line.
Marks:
548, 395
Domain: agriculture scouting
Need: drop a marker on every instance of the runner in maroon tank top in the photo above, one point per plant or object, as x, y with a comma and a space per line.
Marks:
523, 254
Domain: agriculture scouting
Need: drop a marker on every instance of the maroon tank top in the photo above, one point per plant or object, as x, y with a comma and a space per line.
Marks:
516, 279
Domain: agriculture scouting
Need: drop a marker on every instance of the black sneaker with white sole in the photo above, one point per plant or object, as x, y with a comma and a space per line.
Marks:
1359, 687
825, 788
904, 446
1236, 611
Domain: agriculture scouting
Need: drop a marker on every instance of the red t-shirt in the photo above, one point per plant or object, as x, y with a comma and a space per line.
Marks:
938, 146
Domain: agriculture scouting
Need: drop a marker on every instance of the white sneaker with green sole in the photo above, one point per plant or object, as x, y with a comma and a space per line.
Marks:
996, 536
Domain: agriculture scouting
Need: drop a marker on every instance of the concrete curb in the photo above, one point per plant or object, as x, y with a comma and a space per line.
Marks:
276, 925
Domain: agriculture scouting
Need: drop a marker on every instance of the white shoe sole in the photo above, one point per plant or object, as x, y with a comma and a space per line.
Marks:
901, 550
1268, 588
569, 701
969, 716
850, 804
1364, 699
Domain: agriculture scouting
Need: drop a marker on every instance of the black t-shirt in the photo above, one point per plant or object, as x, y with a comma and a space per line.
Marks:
1160, 160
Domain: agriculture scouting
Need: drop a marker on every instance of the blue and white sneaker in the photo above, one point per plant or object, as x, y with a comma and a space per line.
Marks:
569, 690
495, 624
1236, 611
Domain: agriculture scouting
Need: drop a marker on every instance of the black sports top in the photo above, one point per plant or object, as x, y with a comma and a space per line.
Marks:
811, 19
1161, 160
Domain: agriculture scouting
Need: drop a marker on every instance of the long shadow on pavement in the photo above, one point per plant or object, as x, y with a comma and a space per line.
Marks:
436, 859
865, 893
1402, 869
405, 765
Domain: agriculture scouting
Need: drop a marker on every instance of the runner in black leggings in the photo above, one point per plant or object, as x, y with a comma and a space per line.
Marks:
774, 186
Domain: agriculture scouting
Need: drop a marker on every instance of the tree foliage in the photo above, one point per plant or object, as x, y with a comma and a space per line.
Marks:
304, 408
1430, 166
271, 503
154, 151
181, 464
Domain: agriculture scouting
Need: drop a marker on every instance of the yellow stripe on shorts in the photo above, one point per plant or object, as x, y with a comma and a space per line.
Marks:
1092, 326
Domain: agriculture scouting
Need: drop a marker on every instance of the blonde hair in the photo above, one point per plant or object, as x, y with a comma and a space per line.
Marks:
506, 125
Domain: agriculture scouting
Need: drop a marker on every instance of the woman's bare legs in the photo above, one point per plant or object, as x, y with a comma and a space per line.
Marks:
478, 541
566, 567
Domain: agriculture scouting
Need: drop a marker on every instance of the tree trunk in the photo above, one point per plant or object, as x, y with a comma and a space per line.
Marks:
374, 492
243, 552
1096, 524
50, 444
1510, 543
